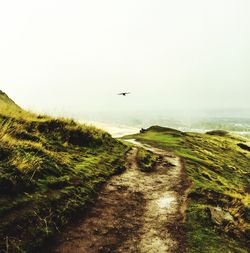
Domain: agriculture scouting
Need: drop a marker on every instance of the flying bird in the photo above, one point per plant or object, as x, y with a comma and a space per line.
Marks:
123, 93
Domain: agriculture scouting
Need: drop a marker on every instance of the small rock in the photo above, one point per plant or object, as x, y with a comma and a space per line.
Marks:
220, 216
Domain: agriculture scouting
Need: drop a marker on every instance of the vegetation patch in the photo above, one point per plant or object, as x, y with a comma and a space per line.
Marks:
217, 132
244, 146
146, 160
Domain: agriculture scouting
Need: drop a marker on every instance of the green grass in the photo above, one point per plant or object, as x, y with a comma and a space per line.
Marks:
220, 173
50, 170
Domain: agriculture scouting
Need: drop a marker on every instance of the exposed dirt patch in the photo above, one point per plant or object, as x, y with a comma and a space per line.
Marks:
135, 212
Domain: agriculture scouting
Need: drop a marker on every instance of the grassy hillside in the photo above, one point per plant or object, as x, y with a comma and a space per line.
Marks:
218, 165
7, 105
50, 169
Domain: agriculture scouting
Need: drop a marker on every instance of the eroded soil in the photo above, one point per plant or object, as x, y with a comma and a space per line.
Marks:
135, 212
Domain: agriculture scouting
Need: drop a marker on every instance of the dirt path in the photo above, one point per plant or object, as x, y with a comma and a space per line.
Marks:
135, 212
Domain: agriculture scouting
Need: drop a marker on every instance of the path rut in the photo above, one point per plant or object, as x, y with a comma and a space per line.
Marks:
135, 212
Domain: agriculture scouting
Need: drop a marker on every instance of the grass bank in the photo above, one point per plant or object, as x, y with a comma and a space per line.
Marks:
146, 160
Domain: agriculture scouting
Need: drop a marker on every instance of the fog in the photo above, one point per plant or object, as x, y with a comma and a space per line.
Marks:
177, 58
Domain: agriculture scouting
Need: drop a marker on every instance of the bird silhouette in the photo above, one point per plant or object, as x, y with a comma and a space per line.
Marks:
123, 93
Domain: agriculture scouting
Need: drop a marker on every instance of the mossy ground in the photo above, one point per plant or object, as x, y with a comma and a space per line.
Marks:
220, 174
50, 169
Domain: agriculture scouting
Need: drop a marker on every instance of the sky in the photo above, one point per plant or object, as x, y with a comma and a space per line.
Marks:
73, 57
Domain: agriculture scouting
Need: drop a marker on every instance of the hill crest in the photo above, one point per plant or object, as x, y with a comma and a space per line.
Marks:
5, 101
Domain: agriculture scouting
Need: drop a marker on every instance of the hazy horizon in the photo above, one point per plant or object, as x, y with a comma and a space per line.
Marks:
177, 58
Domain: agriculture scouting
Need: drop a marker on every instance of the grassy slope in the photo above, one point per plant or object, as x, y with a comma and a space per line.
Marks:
50, 169
220, 173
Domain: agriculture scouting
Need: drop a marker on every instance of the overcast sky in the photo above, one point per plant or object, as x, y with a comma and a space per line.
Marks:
75, 56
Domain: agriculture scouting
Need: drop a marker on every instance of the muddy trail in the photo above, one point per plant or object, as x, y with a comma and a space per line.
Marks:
135, 212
